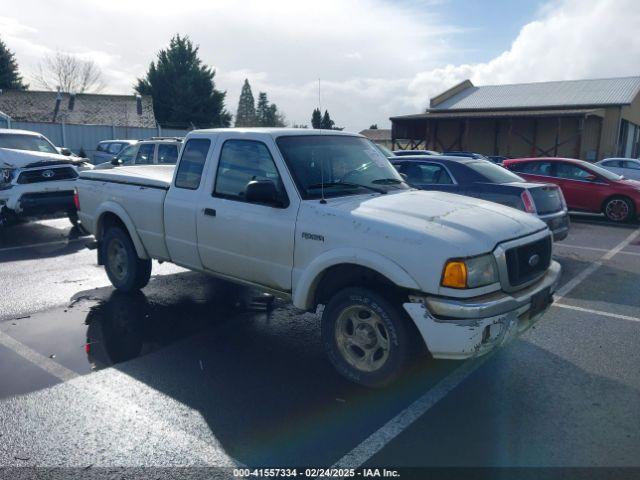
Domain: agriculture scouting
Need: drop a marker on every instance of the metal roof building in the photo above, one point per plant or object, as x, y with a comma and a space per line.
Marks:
588, 119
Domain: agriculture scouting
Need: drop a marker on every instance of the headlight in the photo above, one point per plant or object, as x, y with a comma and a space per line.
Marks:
470, 272
6, 175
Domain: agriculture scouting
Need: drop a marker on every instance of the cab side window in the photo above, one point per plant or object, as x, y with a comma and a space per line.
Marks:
242, 161
191, 163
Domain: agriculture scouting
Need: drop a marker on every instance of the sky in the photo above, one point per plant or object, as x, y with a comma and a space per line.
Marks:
372, 58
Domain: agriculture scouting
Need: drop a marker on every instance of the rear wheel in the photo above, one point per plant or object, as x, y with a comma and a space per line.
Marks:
125, 270
619, 209
365, 337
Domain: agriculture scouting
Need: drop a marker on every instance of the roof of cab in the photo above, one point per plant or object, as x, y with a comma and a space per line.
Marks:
274, 132
6, 131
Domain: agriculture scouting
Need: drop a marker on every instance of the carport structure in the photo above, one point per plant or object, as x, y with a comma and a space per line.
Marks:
589, 119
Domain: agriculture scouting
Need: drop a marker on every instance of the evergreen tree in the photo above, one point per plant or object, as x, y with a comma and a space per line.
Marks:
262, 110
374, 127
246, 115
327, 123
316, 118
183, 89
10, 78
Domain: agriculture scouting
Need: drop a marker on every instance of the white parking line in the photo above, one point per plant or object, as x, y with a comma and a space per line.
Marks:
211, 452
597, 312
578, 279
394, 427
45, 363
594, 249
44, 244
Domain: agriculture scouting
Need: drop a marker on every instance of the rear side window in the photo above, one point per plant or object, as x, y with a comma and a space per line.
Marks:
242, 161
167, 154
571, 172
426, 173
192, 162
102, 147
533, 168
145, 154
631, 165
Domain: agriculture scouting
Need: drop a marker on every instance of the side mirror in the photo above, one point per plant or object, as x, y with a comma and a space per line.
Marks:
116, 162
65, 151
264, 192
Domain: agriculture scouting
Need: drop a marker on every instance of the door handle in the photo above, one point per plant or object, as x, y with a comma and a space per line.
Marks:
209, 212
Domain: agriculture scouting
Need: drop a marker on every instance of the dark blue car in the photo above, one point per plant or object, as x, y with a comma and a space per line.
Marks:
483, 179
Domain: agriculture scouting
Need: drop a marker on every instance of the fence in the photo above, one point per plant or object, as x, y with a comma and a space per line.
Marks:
86, 137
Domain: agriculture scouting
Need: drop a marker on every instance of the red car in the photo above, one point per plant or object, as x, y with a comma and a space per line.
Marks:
586, 187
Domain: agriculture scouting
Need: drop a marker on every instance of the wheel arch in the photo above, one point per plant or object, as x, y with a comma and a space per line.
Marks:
348, 267
112, 214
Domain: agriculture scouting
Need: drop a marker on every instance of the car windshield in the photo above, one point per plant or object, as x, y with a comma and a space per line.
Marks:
32, 143
603, 172
344, 165
494, 173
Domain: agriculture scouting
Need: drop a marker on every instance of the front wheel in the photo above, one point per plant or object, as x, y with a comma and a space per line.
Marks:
365, 337
125, 270
619, 209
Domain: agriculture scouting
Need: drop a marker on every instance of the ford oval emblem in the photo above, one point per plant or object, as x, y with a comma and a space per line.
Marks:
48, 173
534, 260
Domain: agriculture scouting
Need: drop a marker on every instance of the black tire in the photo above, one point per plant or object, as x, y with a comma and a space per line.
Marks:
362, 300
619, 209
127, 272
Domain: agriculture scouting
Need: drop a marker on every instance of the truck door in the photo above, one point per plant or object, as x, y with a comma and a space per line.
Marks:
181, 204
241, 238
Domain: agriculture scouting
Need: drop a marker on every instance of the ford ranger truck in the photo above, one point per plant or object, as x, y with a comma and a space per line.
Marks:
35, 179
324, 219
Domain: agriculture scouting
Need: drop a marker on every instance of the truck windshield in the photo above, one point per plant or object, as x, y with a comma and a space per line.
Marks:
344, 165
31, 143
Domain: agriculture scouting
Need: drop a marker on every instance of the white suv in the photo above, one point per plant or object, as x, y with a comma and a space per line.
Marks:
154, 151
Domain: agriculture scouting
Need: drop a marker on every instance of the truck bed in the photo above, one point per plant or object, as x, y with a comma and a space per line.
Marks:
154, 176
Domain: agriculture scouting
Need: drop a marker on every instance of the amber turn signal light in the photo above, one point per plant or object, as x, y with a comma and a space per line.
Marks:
454, 274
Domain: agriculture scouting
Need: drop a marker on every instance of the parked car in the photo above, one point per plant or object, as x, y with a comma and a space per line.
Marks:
627, 167
477, 156
402, 153
107, 150
497, 159
323, 218
586, 187
155, 151
483, 179
35, 179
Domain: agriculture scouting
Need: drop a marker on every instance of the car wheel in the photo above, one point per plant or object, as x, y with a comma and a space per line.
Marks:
619, 209
365, 337
125, 270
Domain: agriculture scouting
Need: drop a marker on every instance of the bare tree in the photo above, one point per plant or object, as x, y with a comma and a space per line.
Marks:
69, 74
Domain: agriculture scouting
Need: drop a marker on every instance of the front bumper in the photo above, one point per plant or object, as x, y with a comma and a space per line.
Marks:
463, 328
39, 198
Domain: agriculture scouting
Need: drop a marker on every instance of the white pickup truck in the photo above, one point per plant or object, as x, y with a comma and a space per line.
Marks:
325, 220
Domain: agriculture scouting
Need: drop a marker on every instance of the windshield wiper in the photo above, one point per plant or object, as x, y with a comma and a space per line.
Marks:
347, 184
388, 181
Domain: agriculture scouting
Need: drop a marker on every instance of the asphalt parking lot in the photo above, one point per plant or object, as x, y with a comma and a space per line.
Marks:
197, 372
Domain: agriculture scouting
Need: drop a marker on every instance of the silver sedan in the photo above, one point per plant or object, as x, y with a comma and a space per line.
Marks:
627, 167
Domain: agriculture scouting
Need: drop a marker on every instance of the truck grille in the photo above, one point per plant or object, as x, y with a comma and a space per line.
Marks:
526, 262
47, 175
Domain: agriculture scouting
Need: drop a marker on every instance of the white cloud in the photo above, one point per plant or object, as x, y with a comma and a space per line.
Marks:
572, 39
375, 58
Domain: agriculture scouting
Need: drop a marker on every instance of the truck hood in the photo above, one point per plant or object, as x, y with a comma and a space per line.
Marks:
474, 226
10, 158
